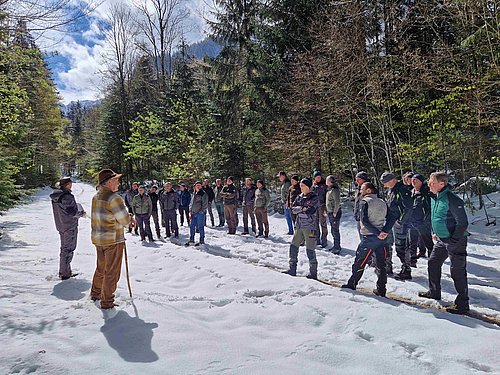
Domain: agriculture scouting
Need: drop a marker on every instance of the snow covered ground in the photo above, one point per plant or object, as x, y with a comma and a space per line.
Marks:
217, 310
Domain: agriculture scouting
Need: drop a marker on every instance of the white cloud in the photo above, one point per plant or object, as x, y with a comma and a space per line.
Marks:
82, 80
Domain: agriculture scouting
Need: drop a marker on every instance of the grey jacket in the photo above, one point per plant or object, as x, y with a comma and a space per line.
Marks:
169, 200
333, 199
217, 190
65, 209
141, 205
372, 214
199, 202
305, 207
262, 198
284, 190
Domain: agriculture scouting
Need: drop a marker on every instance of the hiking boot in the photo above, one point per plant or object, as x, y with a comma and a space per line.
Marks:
335, 250
429, 295
421, 255
413, 264
107, 307
455, 309
94, 298
348, 286
189, 243
244, 232
266, 235
380, 293
312, 276
259, 235
403, 275
291, 272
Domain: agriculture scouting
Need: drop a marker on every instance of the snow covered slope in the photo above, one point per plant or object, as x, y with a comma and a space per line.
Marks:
216, 310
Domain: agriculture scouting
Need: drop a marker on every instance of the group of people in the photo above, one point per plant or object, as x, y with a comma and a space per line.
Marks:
413, 215
193, 207
409, 214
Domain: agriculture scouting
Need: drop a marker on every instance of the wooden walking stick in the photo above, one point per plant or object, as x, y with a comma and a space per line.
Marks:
126, 269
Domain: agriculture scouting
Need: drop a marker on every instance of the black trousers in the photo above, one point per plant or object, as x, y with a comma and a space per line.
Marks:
370, 245
457, 252
184, 210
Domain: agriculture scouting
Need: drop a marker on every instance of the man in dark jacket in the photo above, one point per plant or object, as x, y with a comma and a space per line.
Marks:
154, 213
184, 201
283, 194
129, 195
66, 214
262, 200
372, 215
319, 188
293, 193
305, 206
248, 194
211, 195
169, 203
230, 196
219, 202
197, 211
398, 199
334, 212
360, 179
420, 225
449, 225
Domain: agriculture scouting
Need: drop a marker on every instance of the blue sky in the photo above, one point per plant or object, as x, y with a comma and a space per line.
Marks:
75, 57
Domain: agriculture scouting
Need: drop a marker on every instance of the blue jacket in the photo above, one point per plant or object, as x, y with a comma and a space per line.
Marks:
184, 198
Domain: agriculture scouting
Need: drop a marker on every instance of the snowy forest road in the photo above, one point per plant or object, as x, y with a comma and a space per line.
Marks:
215, 312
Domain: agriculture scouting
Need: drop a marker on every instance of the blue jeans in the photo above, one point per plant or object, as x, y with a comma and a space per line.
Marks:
198, 220
288, 217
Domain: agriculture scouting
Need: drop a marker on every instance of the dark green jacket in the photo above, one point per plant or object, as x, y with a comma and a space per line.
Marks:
448, 216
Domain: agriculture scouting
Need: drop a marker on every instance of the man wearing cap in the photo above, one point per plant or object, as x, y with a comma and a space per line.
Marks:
108, 217
334, 212
400, 205
66, 214
449, 225
184, 202
197, 211
219, 202
319, 188
129, 195
285, 186
229, 194
360, 179
420, 225
142, 208
169, 203
304, 207
154, 212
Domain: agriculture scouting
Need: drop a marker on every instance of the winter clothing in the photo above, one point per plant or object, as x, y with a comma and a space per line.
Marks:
108, 217
369, 245
400, 207
129, 197
305, 206
169, 203
184, 202
419, 234
229, 195
283, 193
293, 193
319, 188
373, 212
211, 196
197, 222
142, 205
386, 177
449, 223
219, 204
142, 208
248, 194
199, 202
363, 176
262, 201
154, 213
448, 216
